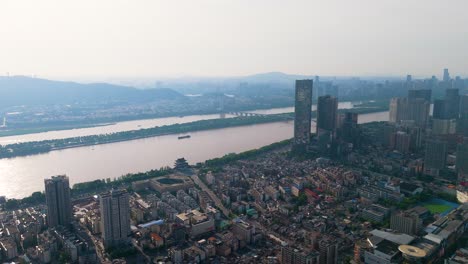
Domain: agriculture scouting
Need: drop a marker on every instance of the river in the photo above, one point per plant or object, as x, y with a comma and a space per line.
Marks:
21, 176
137, 124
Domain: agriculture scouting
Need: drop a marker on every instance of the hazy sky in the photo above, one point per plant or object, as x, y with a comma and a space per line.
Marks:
150, 38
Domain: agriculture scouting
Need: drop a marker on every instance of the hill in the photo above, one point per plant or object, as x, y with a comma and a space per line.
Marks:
21, 90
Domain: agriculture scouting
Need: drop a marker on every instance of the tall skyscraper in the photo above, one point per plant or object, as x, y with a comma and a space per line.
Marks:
328, 248
418, 111
303, 113
327, 107
452, 103
57, 192
419, 103
349, 128
439, 109
464, 106
398, 110
435, 156
402, 142
115, 217
425, 94
446, 75
462, 159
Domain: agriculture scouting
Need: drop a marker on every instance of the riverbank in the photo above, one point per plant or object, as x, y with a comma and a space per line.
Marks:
68, 125
39, 147
107, 161
18, 132
81, 189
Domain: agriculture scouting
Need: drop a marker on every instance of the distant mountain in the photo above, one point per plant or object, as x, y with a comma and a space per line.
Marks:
21, 90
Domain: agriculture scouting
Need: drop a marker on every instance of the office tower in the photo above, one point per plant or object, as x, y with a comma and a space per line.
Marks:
328, 248
433, 83
462, 122
387, 136
435, 156
418, 111
57, 193
462, 158
444, 126
452, 103
115, 217
398, 110
446, 75
327, 107
464, 106
317, 86
303, 113
402, 142
349, 127
439, 109
459, 83
416, 136
393, 110
462, 127
418, 105
425, 94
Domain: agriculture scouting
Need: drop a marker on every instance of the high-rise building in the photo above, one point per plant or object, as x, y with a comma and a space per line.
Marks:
459, 83
462, 158
57, 193
387, 136
439, 109
115, 217
406, 222
402, 142
418, 111
435, 156
452, 104
303, 113
327, 107
425, 94
462, 126
446, 77
349, 127
416, 107
464, 106
291, 255
328, 248
419, 103
444, 126
398, 110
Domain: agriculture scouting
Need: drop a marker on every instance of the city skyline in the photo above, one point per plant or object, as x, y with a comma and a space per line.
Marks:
183, 38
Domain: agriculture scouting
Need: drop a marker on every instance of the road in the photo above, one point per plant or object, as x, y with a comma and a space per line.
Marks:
212, 195
135, 244
97, 245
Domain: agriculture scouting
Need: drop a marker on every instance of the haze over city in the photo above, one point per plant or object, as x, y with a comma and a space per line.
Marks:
105, 40
234, 131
